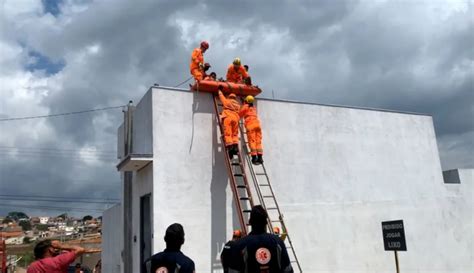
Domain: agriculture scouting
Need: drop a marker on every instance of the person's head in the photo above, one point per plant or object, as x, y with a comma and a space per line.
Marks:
45, 249
236, 63
249, 99
246, 68
213, 75
232, 96
207, 66
276, 230
78, 266
174, 236
237, 234
258, 218
204, 46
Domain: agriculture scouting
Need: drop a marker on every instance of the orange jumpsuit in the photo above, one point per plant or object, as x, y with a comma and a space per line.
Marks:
196, 59
236, 76
230, 116
254, 130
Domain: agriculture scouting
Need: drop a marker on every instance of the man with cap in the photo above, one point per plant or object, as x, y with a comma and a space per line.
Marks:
259, 251
226, 254
172, 260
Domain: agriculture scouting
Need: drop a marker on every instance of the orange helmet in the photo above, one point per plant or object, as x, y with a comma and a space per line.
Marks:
205, 44
276, 230
232, 95
237, 233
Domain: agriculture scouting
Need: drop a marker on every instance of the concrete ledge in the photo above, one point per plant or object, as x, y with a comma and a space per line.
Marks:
134, 162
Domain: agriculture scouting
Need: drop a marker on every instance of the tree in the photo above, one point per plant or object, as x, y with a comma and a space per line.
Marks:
7, 221
16, 215
26, 240
42, 227
25, 225
87, 218
63, 216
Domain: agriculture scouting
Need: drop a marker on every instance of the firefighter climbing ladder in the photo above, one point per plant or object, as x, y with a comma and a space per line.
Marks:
267, 199
238, 178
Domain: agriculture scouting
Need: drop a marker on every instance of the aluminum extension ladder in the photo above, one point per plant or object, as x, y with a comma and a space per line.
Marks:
267, 199
237, 176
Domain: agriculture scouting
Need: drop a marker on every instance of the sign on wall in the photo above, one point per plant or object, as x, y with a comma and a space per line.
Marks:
394, 236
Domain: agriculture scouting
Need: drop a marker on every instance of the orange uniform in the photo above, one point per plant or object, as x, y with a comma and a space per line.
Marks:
236, 75
196, 59
230, 116
254, 130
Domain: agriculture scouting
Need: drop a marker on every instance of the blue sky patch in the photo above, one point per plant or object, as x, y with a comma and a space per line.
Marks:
52, 6
41, 62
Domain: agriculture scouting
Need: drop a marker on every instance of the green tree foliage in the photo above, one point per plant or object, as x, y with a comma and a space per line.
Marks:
25, 225
87, 218
7, 220
16, 215
42, 227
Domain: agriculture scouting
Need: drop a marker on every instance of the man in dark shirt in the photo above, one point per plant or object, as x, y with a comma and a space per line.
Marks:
226, 254
172, 260
259, 251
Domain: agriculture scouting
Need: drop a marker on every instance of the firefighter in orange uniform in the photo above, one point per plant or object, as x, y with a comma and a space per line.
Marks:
236, 72
254, 131
230, 116
197, 61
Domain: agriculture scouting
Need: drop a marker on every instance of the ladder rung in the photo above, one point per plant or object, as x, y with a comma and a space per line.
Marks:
244, 198
238, 174
275, 221
246, 211
268, 196
235, 164
264, 185
271, 208
241, 186
259, 173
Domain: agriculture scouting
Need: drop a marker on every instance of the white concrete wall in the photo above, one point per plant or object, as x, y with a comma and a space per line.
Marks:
112, 237
337, 172
189, 175
143, 126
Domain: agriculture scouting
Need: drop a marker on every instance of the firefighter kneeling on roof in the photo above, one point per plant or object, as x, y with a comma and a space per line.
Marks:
230, 116
254, 131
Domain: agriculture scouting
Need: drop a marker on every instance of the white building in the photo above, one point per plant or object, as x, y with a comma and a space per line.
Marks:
337, 172
44, 220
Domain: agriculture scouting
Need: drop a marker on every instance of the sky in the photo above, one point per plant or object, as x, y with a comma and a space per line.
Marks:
61, 56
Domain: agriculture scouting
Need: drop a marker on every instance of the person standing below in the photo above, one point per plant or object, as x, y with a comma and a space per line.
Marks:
196, 66
230, 116
49, 258
236, 73
254, 131
259, 251
172, 260
226, 254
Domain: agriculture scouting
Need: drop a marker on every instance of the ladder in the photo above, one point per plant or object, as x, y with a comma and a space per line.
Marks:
237, 176
266, 196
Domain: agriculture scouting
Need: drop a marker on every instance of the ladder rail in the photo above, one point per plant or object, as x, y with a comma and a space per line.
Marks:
262, 198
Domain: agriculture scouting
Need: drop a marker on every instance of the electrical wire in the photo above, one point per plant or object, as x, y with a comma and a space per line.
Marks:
54, 201
58, 197
184, 82
51, 208
62, 114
